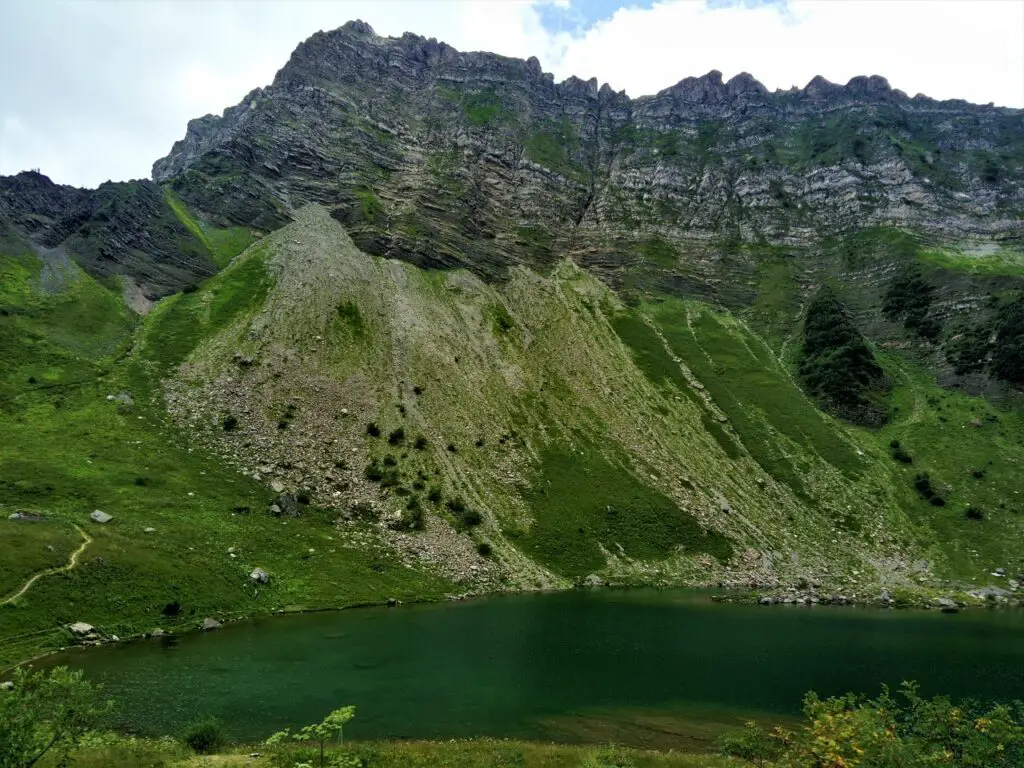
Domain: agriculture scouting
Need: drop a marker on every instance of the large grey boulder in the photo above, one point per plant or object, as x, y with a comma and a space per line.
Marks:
209, 625
259, 576
81, 629
100, 517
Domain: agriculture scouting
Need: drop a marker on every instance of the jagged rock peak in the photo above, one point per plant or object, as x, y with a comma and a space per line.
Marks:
359, 27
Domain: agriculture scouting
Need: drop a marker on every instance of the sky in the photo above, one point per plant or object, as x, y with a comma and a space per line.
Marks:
96, 90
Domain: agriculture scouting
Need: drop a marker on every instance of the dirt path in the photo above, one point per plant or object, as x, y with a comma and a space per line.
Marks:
72, 562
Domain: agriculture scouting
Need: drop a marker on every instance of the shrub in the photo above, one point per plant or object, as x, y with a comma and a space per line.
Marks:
451, 448
434, 495
372, 429
205, 736
46, 713
397, 437
456, 506
899, 453
753, 745
479, 442
420, 443
471, 518
977, 474
418, 390
484, 549
974, 513
373, 472
303, 497
230, 423
331, 727
390, 461
892, 731
142, 481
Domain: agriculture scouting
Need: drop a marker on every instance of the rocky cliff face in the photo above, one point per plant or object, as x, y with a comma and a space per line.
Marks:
446, 158
125, 229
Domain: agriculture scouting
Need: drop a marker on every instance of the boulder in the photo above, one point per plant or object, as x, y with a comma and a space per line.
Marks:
276, 486
593, 580
100, 517
157, 633
767, 601
149, 530
81, 629
285, 505
6, 685
209, 625
259, 576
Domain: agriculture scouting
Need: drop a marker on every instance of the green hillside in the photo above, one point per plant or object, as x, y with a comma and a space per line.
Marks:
444, 435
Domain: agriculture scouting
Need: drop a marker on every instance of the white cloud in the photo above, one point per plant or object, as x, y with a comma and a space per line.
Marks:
947, 49
104, 88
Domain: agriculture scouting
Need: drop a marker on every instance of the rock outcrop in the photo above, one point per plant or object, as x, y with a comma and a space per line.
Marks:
446, 158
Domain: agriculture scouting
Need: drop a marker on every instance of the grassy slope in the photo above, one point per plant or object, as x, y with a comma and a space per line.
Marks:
665, 442
69, 450
576, 431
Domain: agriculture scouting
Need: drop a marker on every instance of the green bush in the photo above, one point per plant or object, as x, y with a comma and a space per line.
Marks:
205, 736
420, 443
836, 365
230, 423
372, 429
397, 437
484, 549
46, 713
892, 731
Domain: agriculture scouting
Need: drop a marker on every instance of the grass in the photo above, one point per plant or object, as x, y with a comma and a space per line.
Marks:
582, 502
1001, 261
555, 146
69, 450
223, 244
953, 437
754, 390
30, 547
464, 753
178, 324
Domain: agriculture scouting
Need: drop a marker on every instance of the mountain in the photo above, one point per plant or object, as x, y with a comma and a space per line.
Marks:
411, 322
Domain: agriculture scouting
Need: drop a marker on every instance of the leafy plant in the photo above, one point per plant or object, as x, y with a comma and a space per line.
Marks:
319, 733
891, 731
205, 736
46, 714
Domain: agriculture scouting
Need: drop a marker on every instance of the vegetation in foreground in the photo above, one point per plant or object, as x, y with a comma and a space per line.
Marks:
52, 718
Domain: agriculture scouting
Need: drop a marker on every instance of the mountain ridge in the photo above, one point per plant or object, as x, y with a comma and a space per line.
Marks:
411, 323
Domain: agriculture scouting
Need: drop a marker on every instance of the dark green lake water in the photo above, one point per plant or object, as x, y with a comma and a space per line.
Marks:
657, 668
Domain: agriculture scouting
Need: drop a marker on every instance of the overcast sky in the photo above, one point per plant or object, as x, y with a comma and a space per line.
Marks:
98, 90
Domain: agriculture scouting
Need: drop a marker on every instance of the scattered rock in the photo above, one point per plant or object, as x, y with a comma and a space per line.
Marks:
157, 633
259, 576
285, 505
149, 530
1001, 572
115, 639
593, 580
81, 629
767, 601
277, 486
392, 602
100, 517
210, 625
